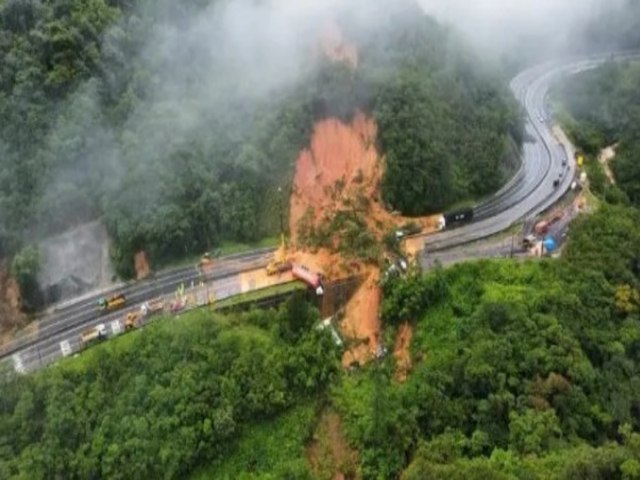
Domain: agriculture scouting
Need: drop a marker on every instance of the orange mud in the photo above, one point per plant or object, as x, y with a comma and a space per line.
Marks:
342, 170
362, 323
345, 153
141, 263
329, 453
402, 352
336, 48
341, 152
338, 152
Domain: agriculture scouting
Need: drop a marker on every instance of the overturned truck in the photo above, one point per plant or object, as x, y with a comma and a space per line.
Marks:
313, 280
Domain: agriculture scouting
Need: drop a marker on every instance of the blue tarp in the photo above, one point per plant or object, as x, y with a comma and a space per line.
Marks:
549, 244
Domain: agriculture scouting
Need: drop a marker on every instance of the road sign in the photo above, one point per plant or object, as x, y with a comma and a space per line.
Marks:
65, 348
116, 327
17, 364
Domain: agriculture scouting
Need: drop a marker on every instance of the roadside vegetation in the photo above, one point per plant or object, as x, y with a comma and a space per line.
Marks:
100, 117
602, 109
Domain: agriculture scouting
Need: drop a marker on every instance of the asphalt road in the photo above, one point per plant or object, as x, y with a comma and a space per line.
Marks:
528, 192
531, 190
508, 246
41, 345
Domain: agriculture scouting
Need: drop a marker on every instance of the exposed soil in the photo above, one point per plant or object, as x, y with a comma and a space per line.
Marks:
335, 47
606, 155
10, 302
345, 153
402, 353
141, 263
329, 453
342, 167
339, 152
362, 322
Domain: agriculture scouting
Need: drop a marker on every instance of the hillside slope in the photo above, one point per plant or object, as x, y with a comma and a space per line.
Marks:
135, 116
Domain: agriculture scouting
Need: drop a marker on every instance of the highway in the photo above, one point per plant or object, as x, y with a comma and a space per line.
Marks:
41, 346
529, 192
545, 160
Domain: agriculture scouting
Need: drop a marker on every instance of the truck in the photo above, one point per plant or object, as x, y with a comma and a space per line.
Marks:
457, 217
327, 323
153, 306
114, 302
97, 333
313, 280
206, 260
541, 228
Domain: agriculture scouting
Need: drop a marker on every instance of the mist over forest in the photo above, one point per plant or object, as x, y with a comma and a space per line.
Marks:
521, 32
177, 123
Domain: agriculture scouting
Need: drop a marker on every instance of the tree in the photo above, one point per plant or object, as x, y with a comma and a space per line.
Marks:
25, 267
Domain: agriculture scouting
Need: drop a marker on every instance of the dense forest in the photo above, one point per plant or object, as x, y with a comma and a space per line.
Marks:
160, 402
128, 112
602, 108
525, 370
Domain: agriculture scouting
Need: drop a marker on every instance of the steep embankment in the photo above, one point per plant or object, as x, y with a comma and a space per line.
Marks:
344, 155
339, 176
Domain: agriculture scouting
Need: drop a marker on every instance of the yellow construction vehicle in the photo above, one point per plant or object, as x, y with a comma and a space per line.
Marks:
279, 264
112, 303
132, 319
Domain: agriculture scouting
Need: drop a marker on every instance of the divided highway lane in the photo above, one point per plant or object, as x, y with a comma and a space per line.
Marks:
48, 350
83, 312
542, 162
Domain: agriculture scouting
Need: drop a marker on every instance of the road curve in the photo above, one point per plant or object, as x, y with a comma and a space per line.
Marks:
527, 193
531, 191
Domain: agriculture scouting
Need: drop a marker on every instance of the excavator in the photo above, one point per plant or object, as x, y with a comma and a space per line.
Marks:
279, 264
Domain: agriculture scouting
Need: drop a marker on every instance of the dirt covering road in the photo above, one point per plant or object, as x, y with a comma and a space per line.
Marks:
340, 170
